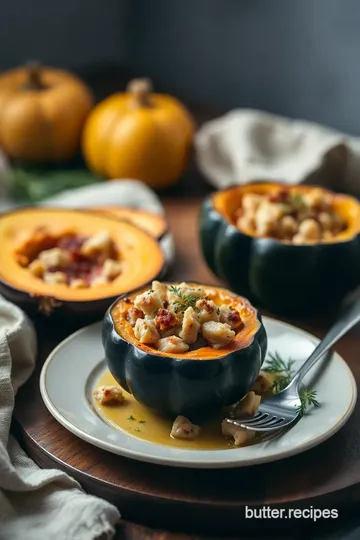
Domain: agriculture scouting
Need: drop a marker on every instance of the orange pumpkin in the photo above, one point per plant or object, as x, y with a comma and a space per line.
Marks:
42, 113
139, 134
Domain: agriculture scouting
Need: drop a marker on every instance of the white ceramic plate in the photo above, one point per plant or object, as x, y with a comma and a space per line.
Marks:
70, 373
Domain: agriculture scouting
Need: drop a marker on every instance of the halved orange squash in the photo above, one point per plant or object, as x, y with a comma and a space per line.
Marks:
152, 223
139, 252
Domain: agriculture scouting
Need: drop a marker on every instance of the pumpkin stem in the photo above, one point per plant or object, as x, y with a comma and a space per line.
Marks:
140, 89
34, 81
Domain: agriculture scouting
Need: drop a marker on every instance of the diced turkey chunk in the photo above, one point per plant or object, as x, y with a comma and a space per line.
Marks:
249, 405
160, 289
183, 429
99, 280
145, 331
78, 284
98, 244
106, 394
148, 302
240, 435
218, 334
133, 315
53, 258
263, 383
165, 319
175, 292
193, 291
54, 277
230, 316
111, 268
190, 326
208, 310
172, 344
37, 268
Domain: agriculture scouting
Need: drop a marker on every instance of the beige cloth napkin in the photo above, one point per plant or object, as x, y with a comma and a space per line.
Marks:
246, 145
36, 503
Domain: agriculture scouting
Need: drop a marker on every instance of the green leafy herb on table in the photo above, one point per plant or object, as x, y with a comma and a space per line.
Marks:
284, 373
33, 184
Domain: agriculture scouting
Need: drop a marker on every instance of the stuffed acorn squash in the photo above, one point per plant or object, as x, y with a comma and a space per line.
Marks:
184, 349
74, 261
291, 249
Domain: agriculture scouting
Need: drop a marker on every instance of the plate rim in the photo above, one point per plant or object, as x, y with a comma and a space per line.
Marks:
188, 463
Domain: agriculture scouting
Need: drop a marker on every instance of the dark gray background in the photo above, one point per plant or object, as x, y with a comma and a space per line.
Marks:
298, 58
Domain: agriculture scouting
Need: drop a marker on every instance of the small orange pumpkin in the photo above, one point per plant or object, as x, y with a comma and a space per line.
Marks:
139, 134
42, 113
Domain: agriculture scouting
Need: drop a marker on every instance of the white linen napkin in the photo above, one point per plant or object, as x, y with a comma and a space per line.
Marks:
247, 145
36, 503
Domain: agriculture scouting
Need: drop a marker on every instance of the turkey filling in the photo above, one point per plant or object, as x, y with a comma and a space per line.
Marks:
174, 319
70, 259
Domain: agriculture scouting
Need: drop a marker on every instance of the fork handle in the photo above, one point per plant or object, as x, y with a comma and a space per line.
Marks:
348, 318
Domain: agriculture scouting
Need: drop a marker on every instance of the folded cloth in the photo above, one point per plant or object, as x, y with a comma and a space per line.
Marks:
131, 193
246, 145
36, 503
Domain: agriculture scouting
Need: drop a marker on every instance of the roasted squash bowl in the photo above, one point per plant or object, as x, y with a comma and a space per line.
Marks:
195, 382
27, 236
279, 275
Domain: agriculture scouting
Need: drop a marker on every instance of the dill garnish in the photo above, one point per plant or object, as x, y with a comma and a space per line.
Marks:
283, 370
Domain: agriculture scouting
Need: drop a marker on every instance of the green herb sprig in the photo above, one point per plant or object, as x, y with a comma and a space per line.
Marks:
284, 371
185, 300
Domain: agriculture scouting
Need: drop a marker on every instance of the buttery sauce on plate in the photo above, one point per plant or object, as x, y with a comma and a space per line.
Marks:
139, 421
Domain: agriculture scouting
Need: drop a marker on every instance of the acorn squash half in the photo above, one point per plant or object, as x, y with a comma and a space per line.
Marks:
22, 230
193, 383
279, 276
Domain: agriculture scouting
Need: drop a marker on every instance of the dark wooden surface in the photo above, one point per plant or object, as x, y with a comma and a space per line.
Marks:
191, 502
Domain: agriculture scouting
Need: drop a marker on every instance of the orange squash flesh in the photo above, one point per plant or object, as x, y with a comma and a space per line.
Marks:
154, 224
140, 253
227, 201
243, 337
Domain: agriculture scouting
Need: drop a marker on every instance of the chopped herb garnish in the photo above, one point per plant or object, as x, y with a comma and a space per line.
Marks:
187, 300
284, 372
296, 199
217, 310
150, 291
307, 398
142, 421
137, 429
175, 290
131, 417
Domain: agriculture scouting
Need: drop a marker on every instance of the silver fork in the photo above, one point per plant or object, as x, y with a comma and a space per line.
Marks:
282, 409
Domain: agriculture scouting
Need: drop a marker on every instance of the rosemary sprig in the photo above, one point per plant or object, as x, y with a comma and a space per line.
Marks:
284, 372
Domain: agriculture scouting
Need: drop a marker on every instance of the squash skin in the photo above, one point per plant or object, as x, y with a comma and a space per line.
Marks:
282, 278
182, 386
72, 312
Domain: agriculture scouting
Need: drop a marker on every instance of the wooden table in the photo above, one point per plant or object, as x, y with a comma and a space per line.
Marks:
51, 445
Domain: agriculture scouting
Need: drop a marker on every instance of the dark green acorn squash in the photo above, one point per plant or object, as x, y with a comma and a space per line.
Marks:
192, 383
276, 275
